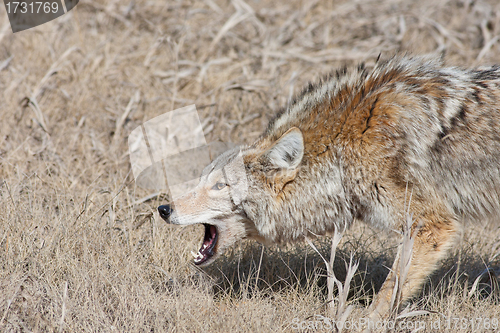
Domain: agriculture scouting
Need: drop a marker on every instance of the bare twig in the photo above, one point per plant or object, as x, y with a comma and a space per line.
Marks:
63, 309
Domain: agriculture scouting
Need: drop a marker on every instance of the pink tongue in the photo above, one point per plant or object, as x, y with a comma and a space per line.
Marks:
207, 248
207, 243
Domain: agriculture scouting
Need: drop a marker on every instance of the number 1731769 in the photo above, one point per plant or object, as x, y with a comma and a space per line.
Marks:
36, 7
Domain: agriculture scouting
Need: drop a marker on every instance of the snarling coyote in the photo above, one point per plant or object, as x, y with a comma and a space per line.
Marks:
351, 147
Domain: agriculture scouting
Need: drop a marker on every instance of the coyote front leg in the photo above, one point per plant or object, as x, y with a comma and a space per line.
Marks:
435, 234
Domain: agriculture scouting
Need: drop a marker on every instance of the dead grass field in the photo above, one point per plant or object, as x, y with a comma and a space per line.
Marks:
79, 251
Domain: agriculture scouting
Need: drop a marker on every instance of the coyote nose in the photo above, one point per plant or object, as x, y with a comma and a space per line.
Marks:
165, 211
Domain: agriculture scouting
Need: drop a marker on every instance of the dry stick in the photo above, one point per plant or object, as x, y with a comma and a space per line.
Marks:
4, 30
487, 48
239, 16
404, 256
145, 199
109, 11
134, 100
107, 202
137, 225
157, 43
176, 77
474, 285
459, 262
64, 6
6, 62
63, 311
443, 31
487, 270
330, 278
258, 269
52, 70
32, 101
343, 310
10, 194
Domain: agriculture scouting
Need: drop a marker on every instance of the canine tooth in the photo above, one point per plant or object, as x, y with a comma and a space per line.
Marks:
194, 254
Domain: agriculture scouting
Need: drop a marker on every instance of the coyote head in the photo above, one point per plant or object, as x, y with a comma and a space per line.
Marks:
231, 190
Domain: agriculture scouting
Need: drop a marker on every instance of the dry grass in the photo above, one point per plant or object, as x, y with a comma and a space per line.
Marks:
78, 253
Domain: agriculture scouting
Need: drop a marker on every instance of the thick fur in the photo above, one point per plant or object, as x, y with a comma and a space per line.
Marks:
354, 146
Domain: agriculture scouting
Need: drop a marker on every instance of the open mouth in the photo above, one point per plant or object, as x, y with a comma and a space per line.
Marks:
207, 249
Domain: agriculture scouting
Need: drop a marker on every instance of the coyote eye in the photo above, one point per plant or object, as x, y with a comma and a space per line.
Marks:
219, 186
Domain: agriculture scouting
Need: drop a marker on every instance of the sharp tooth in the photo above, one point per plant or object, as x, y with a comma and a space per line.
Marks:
194, 254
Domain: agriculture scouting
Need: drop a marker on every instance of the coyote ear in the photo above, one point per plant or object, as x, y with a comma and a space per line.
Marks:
288, 151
